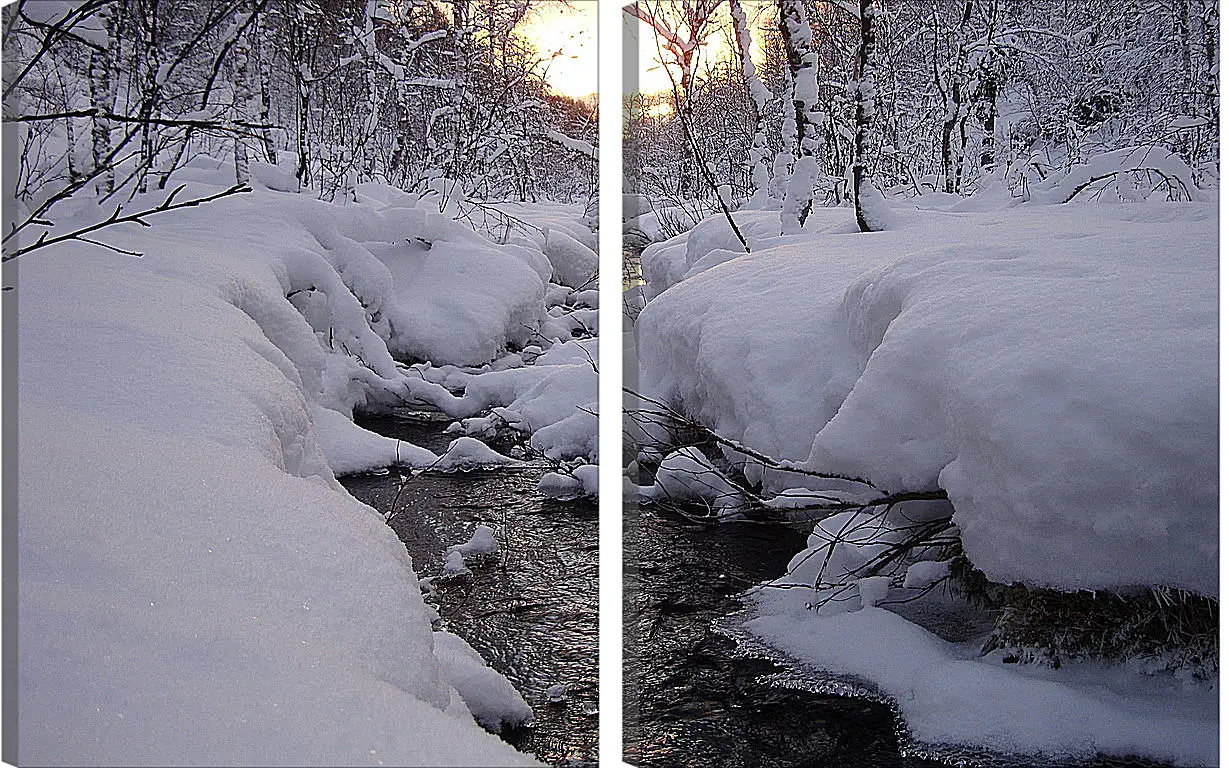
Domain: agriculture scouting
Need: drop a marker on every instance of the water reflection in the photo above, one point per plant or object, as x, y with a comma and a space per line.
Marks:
531, 610
690, 699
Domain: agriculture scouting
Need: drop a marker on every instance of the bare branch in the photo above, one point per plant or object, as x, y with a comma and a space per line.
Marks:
167, 204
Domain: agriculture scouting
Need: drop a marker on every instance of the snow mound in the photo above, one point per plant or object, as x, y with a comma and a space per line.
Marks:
461, 298
573, 219
1054, 370
580, 481
712, 242
687, 475
574, 264
468, 453
488, 695
350, 449
195, 586
454, 565
482, 542
557, 404
948, 695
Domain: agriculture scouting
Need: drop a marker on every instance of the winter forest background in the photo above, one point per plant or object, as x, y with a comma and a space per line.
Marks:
954, 96
936, 283
114, 97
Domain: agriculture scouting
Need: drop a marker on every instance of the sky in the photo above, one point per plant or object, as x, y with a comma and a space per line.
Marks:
572, 31
653, 77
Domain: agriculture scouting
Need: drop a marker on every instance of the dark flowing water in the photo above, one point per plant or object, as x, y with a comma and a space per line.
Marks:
693, 699
531, 609
690, 699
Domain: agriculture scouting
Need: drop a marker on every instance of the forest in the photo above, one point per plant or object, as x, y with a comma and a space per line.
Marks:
301, 311
114, 97
915, 97
920, 395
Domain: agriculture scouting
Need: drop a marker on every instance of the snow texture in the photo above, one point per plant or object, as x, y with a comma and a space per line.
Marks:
490, 697
579, 481
468, 453
555, 399
1053, 368
949, 695
195, 586
686, 475
573, 264
712, 242
482, 542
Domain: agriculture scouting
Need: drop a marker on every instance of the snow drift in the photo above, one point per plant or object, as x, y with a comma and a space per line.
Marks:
1054, 372
1052, 368
195, 586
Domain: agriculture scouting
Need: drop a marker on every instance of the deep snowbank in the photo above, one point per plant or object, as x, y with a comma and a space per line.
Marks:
195, 586
949, 695
1053, 369
711, 242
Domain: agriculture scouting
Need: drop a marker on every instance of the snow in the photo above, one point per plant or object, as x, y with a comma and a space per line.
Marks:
948, 695
576, 145
876, 210
350, 449
712, 242
940, 355
574, 264
489, 696
1119, 163
575, 220
661, 221
195, 586
799, 190
468, 453
482, 542
1052, 368
454, 564
579, 481
557, 403
686, 475
461, 300
925, 573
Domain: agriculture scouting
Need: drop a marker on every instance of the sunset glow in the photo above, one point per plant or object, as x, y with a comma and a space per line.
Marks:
567, 35
715, 47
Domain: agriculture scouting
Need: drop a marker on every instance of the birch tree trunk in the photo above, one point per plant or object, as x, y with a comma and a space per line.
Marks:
102, 99
799, 127
149, 96
265, 68
243, 106
1211, 52
952, 158
864, 94
460, 26
759, 96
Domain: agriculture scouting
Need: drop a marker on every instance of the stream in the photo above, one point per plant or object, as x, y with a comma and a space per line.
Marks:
696, 697
690, 698
531, 610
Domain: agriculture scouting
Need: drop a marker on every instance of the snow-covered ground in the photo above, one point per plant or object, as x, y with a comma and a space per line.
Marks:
1052, 368
195, 586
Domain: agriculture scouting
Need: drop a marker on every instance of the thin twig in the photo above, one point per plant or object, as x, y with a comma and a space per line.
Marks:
768, 461
115, 218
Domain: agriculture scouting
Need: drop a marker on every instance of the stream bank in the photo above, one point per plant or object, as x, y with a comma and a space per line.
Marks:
691, 700
699, 692
530, 610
